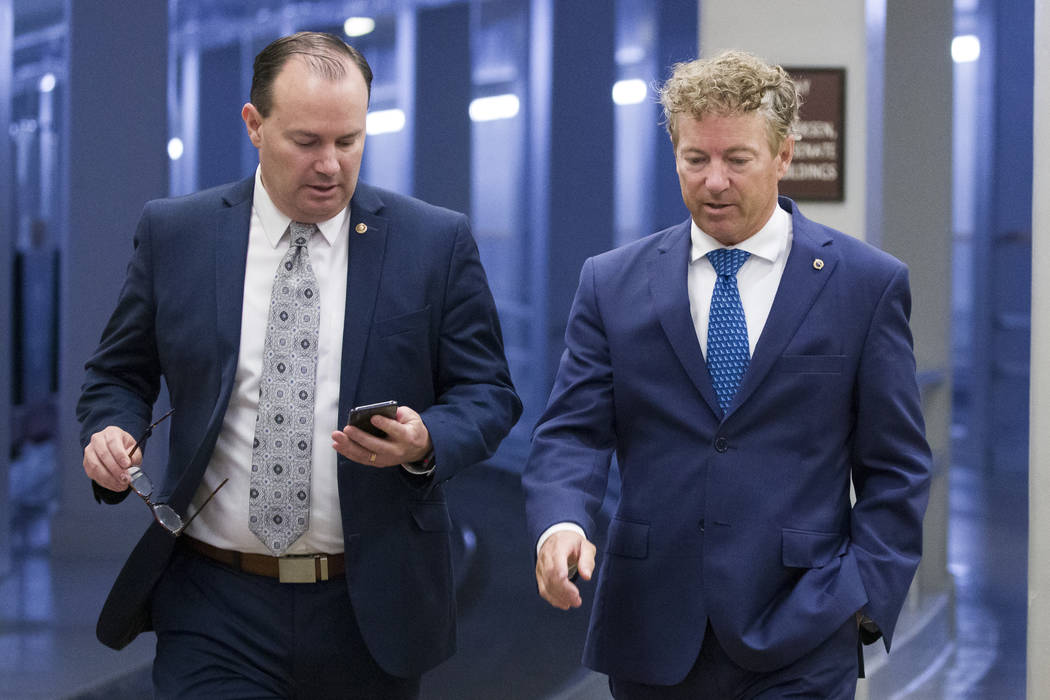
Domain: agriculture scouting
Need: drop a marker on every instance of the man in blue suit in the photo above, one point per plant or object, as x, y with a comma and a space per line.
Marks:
359, 601
740, 401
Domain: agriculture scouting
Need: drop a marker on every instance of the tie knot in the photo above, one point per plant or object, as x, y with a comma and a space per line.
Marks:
300, 233
727, 261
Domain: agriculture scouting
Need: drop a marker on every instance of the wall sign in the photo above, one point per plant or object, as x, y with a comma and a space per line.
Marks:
817, 170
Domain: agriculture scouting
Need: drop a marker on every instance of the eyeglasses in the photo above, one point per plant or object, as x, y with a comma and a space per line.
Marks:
143, 486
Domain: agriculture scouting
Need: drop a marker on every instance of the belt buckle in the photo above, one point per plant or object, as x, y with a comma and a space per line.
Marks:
302, 568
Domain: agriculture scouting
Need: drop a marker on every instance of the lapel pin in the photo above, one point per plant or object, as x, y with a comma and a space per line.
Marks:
361, 228
818, 264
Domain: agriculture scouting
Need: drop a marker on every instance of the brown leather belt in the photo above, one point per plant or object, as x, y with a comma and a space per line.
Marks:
298, 568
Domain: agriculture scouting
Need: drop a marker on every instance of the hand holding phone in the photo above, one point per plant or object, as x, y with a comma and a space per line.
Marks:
361, 416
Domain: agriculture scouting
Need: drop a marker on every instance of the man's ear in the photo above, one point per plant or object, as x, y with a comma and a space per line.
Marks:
784, 155
253, 121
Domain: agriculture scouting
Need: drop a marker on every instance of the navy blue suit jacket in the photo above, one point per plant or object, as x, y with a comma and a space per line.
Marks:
420, 327
743, 520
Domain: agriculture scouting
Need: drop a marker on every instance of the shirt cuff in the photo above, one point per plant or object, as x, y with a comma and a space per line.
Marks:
424, 467
558, 527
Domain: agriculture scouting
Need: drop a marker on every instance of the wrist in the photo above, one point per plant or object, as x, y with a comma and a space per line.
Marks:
422, 467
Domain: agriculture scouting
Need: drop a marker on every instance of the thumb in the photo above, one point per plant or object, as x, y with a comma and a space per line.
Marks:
128, 440
585, 565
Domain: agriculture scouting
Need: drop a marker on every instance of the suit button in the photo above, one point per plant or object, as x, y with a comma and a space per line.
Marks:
700, 526
721, 444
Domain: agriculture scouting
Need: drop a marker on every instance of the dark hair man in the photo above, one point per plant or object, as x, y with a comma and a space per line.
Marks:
321, 565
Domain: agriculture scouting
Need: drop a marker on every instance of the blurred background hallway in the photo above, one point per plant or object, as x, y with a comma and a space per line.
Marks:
554, 147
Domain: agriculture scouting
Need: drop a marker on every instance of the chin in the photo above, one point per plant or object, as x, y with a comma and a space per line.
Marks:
321, 212
726, 238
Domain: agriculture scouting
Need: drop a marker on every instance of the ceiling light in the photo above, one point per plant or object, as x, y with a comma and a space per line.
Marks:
486, 109
359, 26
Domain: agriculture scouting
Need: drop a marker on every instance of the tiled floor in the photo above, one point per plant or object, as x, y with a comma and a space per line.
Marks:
48, 609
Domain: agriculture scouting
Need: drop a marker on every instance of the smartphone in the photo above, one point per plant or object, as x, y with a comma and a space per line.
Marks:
361, 416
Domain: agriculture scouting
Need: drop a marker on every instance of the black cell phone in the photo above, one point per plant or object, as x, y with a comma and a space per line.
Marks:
361, 416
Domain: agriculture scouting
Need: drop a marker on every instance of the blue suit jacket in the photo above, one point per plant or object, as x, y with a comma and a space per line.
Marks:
744, 520
420, 327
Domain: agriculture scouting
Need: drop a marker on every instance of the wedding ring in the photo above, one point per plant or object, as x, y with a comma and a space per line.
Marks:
372, 459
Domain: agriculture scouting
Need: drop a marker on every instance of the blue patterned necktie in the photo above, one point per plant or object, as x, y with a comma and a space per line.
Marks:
279, 499
728, 354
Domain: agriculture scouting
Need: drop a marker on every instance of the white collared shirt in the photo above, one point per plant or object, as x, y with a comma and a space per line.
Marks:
224, 523
757, 279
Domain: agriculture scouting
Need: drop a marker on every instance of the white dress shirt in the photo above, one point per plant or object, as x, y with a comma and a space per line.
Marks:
757, 279
224, 522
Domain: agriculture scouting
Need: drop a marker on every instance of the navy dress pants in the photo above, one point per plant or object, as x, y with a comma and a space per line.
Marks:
829, 672
224, 634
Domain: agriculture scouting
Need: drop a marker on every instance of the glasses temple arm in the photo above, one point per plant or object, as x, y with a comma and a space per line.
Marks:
149, 431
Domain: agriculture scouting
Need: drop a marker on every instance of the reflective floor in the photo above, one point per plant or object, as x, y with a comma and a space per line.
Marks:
987, 545
523, 649
47, 623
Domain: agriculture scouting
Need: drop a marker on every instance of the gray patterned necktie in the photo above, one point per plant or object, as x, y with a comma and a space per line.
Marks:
279, 500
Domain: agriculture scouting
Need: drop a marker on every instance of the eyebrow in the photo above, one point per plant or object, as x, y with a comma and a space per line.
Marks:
730, 150
313, 135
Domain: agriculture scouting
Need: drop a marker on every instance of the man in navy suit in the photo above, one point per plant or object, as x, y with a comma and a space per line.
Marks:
735, 565
362, 602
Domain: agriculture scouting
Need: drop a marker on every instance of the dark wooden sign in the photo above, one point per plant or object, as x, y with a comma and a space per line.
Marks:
817, 171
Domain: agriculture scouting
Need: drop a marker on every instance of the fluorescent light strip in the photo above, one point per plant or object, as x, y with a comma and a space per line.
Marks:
966, 48
384, 121
629, 92
486, 109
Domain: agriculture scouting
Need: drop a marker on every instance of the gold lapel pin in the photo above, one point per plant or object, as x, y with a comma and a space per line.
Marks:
361, 228
818, 264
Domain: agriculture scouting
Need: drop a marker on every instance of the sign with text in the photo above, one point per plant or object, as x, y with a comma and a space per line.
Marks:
817, 170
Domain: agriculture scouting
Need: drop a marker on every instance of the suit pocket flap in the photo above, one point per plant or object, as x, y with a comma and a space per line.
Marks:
432, 517
403, 322
809, 550
628, 539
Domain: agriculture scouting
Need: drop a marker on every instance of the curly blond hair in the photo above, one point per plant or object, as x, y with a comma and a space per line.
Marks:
735, 82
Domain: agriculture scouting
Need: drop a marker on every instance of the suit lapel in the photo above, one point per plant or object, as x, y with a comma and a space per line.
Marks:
227, 234
368, 234
668, 273
230, 243
810, 264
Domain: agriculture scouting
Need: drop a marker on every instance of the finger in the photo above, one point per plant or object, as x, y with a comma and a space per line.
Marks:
100, 460
365, 440
585, 564
399, 445
395, 431
361, 453
407, 415
115, 447
408, 434
545, 591
561, 593
128, 444
341, 443
97, 472
552, 574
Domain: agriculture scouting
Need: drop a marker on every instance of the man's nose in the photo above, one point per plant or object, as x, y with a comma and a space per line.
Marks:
717, 177
327, 163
